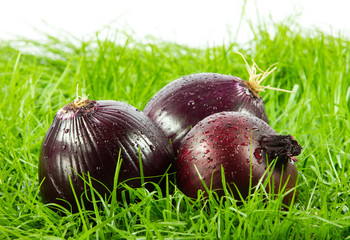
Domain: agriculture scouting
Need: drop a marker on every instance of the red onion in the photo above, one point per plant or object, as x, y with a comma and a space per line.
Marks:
240, 143
182, 103
86, 136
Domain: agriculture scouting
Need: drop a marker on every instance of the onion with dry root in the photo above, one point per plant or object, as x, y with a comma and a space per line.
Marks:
182, 103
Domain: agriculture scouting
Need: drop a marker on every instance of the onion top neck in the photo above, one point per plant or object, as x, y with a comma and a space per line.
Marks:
80, 102
80, 106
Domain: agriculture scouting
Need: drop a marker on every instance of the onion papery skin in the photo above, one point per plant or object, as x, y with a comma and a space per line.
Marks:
182, 103
237, 142
88, 140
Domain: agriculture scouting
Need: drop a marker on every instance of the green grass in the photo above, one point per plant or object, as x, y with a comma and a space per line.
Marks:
317, 66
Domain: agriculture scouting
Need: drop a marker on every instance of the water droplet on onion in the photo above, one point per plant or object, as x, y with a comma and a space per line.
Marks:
258, 153
190, 103
152, 147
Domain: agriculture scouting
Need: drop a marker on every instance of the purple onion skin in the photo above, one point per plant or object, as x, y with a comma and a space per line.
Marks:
238, 142
182, 103
88, 140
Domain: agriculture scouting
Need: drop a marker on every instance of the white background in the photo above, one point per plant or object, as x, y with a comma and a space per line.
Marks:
196, 23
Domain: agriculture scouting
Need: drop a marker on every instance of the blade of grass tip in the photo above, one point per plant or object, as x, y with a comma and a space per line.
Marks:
179, 203
167, 195
129, 221
238, 211
282, 189
315, 167
332, 164
164, 175
88, 184
78, 204
15, 67
270, 180
294, 189
212, 194
223, 181
59, 208
228, 191
95, 207
13, 87
86, 178
202, 180
311, 196
141, 168
328, 221
266, 180
115, 186
239, 194
250, 164
157, 190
